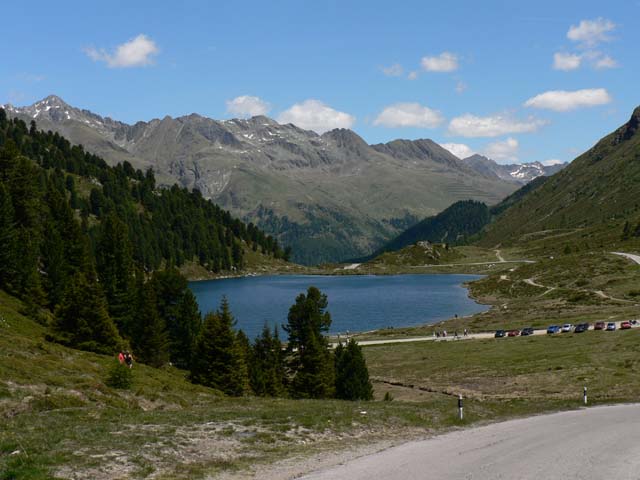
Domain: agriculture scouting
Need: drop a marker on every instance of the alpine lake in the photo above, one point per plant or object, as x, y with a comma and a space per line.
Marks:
357, 303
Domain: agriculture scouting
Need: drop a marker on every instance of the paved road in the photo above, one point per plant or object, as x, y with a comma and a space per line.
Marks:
630, 256
589, 444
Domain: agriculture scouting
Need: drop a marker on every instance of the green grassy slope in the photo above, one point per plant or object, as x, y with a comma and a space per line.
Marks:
59, 419
587, 202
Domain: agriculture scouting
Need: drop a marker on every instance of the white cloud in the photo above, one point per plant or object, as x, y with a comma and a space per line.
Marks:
247, 106
563, 101
315, 115
566, 61
503, 150
551, 161
409, 115
394, 70
460, 150
469, 125
605, 62
591, 32
445, 62
137, 52
573, 61
412, 75
461, 86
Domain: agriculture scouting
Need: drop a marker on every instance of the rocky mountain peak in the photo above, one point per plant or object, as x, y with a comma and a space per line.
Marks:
631, 127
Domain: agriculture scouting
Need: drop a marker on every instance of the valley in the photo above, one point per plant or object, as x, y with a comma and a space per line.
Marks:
330, 197
298, 240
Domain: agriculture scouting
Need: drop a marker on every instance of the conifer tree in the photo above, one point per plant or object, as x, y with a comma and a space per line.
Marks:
179, 309
216, 362
243, 353
82, 320
310, 360
8, 239
266, 368
150, 338
352, 375
115, 267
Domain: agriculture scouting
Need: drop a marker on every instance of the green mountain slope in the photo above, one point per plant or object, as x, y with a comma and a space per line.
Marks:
328, 196
453, 226
588, 202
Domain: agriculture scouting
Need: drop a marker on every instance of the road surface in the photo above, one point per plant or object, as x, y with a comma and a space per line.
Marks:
451, 338
588, 444
630, 256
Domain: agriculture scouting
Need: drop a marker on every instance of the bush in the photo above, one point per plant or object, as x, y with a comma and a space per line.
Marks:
120, 376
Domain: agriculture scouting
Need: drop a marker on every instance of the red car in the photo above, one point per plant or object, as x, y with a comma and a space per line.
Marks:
599, 326
513, 333
625, 325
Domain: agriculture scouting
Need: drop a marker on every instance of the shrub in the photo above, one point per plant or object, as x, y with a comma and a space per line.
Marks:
120, 376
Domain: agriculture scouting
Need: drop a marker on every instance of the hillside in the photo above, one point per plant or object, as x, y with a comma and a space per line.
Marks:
586, 204
327, 196
453, 226
60, 419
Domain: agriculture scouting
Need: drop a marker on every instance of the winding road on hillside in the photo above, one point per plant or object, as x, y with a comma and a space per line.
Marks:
630, 256
593, 443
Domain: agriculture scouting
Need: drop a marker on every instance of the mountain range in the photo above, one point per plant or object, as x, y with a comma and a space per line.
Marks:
521, 173
329, 196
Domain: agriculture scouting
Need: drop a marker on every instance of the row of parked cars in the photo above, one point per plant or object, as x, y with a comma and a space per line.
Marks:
567, 328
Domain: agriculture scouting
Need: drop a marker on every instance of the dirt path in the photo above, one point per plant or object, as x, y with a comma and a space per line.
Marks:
531, 281
500, 258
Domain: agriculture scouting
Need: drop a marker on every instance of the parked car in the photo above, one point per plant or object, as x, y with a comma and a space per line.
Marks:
553, 329
599, 326
611, 326
581, 327
625, 325
567, 327
513, 333
499, 334
526, 331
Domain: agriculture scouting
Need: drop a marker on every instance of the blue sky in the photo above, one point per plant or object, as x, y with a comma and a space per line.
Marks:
476, 76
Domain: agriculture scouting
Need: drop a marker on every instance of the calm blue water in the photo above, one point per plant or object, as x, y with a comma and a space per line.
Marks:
357, 303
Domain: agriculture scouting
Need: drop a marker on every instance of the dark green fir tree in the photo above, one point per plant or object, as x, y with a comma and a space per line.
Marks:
310, 359
216, 362
352, 375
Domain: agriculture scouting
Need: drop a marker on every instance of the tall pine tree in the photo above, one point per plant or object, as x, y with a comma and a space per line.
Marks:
217, 362
8, 239
310, 359
150, 338
82, 320
266, 366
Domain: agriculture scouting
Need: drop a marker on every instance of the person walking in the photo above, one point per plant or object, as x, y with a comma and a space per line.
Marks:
121, 357
128, 359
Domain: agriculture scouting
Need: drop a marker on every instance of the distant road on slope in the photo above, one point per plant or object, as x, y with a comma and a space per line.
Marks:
630, 256
587, 444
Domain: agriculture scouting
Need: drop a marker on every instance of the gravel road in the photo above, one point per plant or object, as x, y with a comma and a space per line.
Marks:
587, 444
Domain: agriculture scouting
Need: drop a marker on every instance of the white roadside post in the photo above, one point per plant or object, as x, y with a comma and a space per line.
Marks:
460, 409
584, 394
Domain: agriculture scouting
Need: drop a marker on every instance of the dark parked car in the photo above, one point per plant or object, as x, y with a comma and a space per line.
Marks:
611, 326
581, 327
513, 333
625, 325
499, 334
553, 329
526, 331
599, 326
